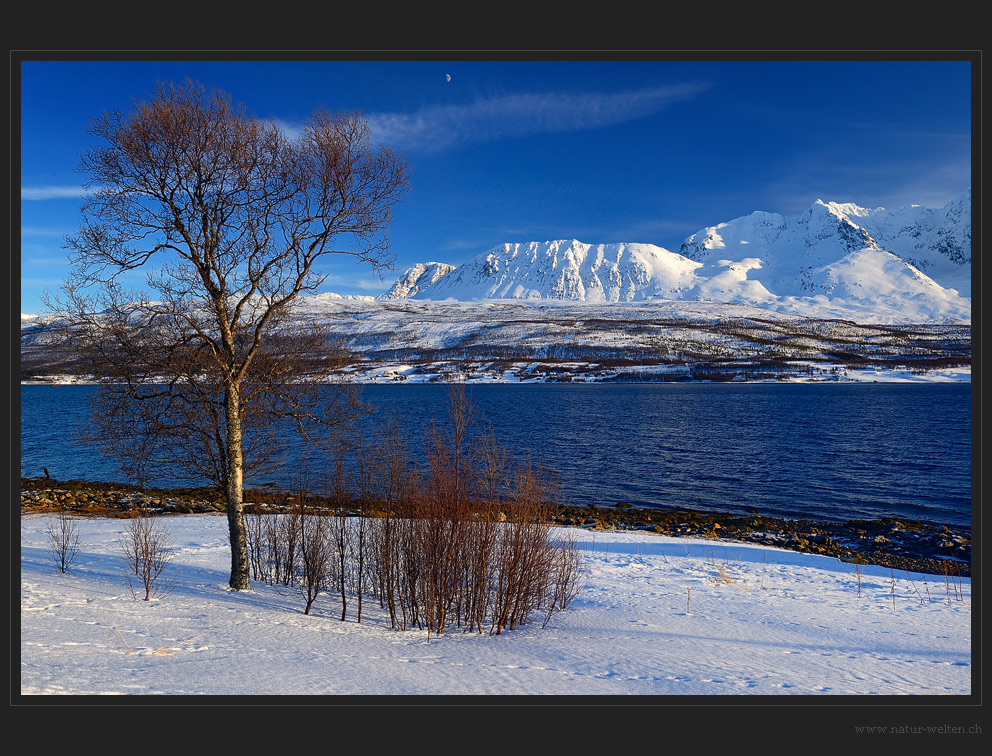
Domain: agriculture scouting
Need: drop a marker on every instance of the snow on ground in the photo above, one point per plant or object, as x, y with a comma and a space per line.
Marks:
656, 616
582, 372
878, 375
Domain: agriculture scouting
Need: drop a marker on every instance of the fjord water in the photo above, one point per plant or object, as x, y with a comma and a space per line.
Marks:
819, 451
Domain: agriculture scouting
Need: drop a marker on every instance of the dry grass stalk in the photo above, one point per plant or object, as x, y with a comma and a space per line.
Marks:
119, 633
915, 589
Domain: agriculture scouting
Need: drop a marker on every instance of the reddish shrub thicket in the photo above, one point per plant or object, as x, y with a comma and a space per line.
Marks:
466, 542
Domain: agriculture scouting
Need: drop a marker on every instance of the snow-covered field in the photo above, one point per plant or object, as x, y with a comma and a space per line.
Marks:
656, 616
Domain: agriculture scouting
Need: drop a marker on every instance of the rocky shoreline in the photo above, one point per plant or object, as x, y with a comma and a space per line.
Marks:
898, 544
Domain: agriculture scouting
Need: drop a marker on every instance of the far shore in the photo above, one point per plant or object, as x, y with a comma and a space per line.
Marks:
382, 375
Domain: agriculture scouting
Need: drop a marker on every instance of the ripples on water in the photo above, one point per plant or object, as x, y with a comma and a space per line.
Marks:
834, 452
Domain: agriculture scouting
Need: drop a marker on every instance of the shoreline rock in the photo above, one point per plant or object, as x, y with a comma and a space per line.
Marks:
898, 544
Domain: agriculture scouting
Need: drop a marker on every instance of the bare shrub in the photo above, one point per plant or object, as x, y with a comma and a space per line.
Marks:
465, 541
525, 552
280, 546
336, 482
258, 557
63, 539
493, 466
146, 550
567, 572
477, 550
394, 483
368, 504
315, 555
444, 512
272, 542
477, 566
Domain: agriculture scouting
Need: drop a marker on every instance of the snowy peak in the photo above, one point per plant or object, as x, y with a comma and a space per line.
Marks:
417, 278
844, 209
912, 232
824, 231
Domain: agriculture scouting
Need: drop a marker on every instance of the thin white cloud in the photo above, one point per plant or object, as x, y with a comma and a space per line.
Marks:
39, 231
52, 192
437, 127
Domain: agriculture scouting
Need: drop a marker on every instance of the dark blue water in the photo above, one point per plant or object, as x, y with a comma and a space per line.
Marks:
830, 452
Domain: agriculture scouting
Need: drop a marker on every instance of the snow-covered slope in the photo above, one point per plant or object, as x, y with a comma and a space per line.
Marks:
834, 260
655, 616
417, 278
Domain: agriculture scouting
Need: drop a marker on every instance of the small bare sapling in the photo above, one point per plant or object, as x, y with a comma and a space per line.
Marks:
146, 550
63, 538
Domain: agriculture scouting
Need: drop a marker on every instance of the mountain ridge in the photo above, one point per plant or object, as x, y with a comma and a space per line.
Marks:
833, 260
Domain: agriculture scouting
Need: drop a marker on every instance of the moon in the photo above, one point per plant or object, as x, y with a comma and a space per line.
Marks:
447, 77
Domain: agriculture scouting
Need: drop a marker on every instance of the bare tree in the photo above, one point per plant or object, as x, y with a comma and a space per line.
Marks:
63, 538
159, 429
239, 217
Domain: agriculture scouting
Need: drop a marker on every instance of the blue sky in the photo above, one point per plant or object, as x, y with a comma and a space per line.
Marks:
513, 151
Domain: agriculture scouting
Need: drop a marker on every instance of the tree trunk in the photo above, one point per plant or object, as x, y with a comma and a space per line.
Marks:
234, 493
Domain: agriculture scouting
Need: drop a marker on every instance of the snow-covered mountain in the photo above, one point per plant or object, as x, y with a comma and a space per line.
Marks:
911, 264
838, 285
567, 270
